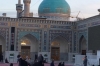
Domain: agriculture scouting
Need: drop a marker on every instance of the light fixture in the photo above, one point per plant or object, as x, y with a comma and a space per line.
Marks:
23, 43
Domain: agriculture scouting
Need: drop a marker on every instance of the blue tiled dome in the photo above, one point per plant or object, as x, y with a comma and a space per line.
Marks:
54, 6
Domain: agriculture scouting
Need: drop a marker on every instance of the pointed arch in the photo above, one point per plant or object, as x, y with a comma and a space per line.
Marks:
59, 46
82, 44
29, 44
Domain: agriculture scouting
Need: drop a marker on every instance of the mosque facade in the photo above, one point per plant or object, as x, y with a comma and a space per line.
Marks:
51, 34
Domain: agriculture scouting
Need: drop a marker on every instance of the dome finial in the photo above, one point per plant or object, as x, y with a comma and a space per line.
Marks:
19, 1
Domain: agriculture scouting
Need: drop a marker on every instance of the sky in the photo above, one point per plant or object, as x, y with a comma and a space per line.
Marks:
87, 8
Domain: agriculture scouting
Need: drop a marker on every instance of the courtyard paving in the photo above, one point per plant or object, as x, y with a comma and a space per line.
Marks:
46, 64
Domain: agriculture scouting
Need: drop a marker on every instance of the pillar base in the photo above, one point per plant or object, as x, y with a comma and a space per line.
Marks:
11, 56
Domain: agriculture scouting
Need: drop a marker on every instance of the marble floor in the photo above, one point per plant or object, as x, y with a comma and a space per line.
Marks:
46, 64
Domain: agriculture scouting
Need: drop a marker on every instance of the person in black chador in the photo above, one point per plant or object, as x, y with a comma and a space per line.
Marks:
52, 63
6, 61
85, 61
18, 56
63, 64
40, 60
36, 57
22, 62
59, 64
11, 64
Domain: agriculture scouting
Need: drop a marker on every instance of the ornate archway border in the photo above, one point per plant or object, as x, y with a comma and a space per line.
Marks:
55, 33
84, 34
35, 34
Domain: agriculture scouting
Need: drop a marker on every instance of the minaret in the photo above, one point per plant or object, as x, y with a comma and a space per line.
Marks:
19, 8
26, 7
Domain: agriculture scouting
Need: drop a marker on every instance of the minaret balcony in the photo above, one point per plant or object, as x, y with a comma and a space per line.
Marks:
19, 6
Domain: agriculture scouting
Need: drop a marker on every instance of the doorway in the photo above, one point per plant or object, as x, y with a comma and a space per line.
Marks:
82, 45
25, 51
55, 53
83, 52
0, 48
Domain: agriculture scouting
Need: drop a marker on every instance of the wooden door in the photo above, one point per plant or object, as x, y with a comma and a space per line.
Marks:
0, 48
25, 51
83, 52
55, 53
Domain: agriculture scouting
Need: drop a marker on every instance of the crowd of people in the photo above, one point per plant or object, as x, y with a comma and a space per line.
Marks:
60, 63
39, 61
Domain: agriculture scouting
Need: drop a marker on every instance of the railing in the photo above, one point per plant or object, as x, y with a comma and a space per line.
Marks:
36, 20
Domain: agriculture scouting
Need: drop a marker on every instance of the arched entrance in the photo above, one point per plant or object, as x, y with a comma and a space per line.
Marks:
28, 46
59, 49
82, 45
2, 44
